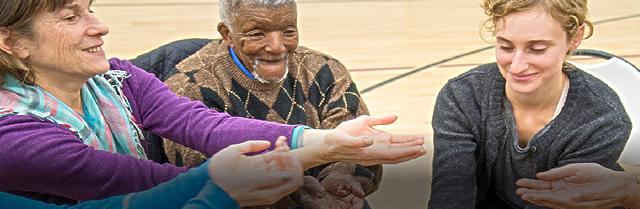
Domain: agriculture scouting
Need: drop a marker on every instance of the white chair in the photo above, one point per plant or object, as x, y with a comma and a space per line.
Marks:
624, 78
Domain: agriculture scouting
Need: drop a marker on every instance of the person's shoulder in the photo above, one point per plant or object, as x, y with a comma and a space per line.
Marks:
313, 53
322, 59
595, 86
478, 78
480, 72
121, 64
134, 72
18, 125
474, 88
134, 81
207, 55
596, 94
13, 119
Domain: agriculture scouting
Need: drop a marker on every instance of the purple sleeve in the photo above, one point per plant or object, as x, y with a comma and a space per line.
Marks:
187, 122
41, 157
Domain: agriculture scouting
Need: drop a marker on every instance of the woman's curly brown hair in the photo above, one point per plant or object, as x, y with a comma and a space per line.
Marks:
571, 14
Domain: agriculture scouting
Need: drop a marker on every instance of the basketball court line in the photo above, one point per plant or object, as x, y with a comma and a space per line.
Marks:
396, 78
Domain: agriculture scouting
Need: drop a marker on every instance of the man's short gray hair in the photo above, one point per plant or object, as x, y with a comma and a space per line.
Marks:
228, 7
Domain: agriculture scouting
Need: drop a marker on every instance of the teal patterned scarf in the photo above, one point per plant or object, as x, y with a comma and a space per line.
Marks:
107, 123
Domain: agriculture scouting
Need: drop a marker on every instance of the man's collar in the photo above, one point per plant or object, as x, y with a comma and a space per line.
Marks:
239, 64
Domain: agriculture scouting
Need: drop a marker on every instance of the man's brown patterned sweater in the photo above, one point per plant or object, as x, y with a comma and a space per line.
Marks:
317, 92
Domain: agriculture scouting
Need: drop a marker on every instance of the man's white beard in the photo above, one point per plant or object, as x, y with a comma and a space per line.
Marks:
264, 80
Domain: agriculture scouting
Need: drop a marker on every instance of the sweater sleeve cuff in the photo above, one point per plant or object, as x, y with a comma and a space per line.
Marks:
296, 137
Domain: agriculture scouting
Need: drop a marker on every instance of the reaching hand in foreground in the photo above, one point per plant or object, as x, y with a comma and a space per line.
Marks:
256, 180
359, 142
583, 185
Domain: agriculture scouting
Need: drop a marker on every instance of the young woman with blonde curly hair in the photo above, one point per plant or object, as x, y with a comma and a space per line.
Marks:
529, 112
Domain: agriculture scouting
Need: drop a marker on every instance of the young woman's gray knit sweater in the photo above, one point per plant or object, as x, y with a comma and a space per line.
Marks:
470, 129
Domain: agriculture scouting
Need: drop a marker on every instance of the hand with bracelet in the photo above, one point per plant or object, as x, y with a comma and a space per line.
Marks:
357, 141
582, 185
354, 141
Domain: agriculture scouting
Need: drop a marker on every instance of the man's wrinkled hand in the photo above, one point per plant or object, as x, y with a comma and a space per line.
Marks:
340, 193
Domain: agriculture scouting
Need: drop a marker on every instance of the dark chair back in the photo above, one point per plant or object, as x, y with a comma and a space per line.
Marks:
162, 63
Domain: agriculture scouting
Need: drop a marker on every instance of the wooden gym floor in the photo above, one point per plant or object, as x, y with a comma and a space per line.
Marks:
400, 53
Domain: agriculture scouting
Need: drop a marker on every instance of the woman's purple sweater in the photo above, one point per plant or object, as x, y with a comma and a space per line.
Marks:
42, 160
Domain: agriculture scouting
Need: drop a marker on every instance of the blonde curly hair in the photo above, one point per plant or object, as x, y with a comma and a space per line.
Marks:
571, 14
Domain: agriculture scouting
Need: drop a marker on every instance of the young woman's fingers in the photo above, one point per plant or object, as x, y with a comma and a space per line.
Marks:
558, 173
533, 184
403, 139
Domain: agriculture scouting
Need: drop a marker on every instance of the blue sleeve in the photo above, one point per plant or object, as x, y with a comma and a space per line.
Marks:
170, 195
212, 197
14, 201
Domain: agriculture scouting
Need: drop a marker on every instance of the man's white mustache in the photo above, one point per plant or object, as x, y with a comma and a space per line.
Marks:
271, 59
265, 80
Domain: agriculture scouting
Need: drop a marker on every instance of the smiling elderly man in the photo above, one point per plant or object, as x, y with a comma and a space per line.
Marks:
258, 71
